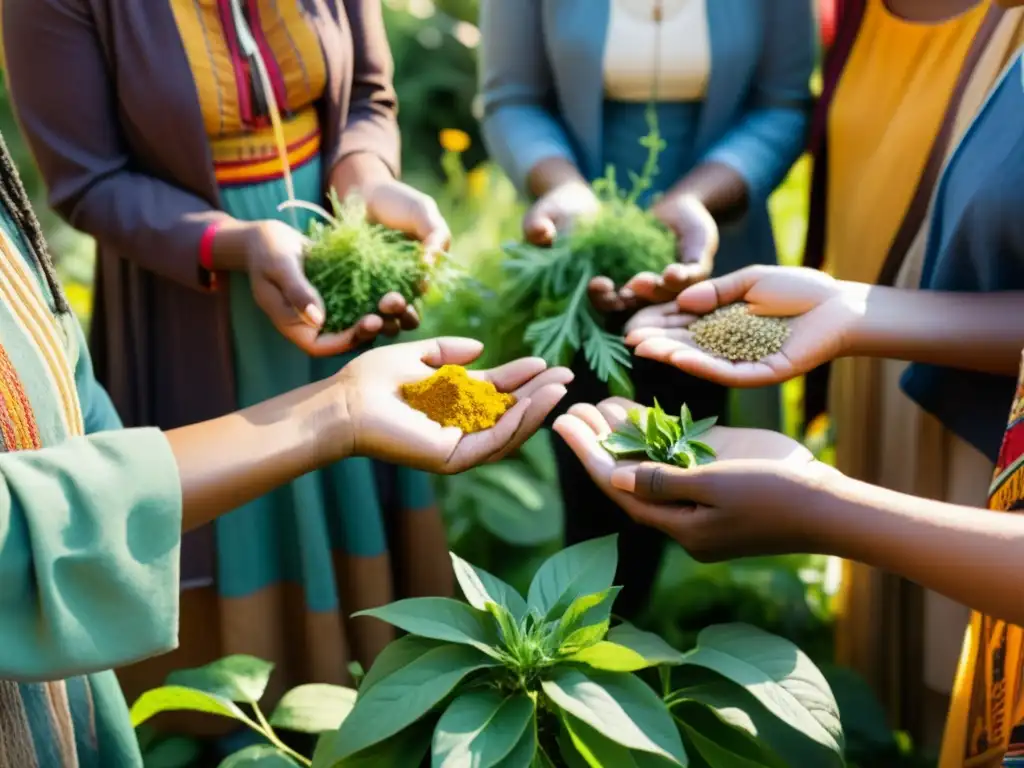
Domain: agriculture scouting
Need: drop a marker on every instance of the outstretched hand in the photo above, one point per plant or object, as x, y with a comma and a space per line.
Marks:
750, 501
383, 426
823, 312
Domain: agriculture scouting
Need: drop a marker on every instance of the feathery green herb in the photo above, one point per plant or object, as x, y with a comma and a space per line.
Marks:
652, 433
621, 241
354, 263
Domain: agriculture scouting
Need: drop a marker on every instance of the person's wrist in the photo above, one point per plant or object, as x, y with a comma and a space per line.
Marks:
328, 416
853, 298
360, 173
815, 508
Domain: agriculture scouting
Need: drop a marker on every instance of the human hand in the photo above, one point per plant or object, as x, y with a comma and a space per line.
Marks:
379, 423
274, 252
756, 498
400, 207
555, 212
824, 313
697, 233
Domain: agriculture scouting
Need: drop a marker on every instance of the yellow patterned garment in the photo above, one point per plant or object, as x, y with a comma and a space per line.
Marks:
235, 112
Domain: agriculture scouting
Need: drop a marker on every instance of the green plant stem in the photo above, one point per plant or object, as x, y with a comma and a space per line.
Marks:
267, 730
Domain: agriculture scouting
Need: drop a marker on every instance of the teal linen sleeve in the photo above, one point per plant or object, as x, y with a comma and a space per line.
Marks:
98, 410
772, 134
90, 532
515, 86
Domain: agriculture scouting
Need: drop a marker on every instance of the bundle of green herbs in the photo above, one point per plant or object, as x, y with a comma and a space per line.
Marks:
550, 283
650, 433
353, 263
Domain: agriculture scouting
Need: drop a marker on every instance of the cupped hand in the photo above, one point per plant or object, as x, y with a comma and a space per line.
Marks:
823, 313
274, 255
698, 239
382, 426
753, 500
556, 211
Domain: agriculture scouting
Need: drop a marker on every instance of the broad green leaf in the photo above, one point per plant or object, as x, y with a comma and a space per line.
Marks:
700, 427
649, 645
620, 706
525, 754
440, 618
510, 522
174, 698
598, 751
738, 707
865, 724
313, 708
407, 748
584, 637
777, 673
624, 446
481, 588
171, 752
480, 729
398, 654
403, 697
721, 744
587, 611
237, 678
583, 569
259, 756
610, 657
512, 478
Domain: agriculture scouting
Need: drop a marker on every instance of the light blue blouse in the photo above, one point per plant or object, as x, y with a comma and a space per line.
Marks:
543, 96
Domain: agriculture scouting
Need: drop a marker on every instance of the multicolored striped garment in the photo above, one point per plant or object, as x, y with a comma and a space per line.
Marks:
89, 537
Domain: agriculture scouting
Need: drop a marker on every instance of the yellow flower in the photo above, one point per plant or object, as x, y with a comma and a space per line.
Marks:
477, 182
79, 297
454, 140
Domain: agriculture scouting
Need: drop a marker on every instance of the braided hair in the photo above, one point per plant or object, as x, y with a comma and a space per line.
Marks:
15, 199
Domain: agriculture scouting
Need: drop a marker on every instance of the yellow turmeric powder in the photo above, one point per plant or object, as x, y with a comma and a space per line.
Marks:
453, 398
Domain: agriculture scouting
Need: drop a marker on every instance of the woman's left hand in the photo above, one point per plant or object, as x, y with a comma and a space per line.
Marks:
400, 207
754, 499
698, 237
379, 423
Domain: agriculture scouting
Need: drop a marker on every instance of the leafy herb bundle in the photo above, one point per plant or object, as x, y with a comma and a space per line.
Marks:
353, 263
662, 438
619, 242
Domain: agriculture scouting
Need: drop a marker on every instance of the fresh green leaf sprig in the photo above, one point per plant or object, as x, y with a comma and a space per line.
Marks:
652, 433
619, 242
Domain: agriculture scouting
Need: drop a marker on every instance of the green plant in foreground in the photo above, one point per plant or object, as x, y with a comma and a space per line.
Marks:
621, 241
353, 263
233, 687
666, 439
546, 681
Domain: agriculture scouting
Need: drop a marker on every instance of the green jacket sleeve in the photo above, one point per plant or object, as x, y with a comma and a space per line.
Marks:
89, 538
98, 410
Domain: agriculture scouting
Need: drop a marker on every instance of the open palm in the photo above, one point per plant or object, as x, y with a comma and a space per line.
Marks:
735, 506
386, 428
822, 314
